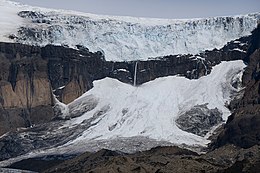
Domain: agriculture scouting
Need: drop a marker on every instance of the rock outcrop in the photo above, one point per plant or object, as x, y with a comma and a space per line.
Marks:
9, 99
25, 90
243, 126
30, 75
228, 159
199, 120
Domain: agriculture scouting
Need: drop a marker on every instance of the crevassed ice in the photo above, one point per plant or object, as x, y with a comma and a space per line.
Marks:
129, 38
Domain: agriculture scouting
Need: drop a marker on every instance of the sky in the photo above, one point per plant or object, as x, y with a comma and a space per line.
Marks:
174, 9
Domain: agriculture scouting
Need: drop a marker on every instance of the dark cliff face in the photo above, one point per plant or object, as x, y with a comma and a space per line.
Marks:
30, 75
25, 90
243, 126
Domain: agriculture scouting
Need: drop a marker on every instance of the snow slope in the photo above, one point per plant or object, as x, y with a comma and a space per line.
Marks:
122, 38
151, 109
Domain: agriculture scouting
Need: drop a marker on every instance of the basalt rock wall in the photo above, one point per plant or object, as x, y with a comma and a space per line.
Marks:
31, 76
243, 126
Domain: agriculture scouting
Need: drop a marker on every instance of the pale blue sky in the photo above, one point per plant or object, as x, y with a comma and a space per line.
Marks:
154, 8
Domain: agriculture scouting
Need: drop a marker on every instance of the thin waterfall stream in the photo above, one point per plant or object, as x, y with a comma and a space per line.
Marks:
135, 75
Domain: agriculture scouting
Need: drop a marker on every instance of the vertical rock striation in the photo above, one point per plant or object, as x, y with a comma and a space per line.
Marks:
30, 75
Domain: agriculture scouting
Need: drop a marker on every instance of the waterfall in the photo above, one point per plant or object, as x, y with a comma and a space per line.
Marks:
135, 73
206, 69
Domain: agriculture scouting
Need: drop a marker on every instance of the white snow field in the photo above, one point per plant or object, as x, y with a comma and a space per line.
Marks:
150, 110
122, 38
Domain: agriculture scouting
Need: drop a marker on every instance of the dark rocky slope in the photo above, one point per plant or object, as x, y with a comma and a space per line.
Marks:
165, 159
243, 126
227, 159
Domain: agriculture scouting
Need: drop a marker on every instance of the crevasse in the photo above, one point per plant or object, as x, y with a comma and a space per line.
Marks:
121, 38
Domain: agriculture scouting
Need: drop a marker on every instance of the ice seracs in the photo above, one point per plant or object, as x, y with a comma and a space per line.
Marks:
121, 38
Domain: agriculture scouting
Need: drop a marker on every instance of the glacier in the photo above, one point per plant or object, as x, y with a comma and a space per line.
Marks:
120, 38
151, 109
126, 118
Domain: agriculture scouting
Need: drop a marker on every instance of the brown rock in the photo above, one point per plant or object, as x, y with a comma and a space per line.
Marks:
41, 114
162, 159
25, 91
8, 96
34, 93
73, 90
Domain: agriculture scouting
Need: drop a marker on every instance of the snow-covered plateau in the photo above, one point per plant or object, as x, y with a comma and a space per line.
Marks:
120, 38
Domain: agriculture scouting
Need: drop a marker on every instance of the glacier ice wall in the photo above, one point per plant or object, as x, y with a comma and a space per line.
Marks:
129, 38
124, 41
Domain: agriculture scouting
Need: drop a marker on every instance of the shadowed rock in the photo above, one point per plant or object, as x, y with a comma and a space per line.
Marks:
199, 120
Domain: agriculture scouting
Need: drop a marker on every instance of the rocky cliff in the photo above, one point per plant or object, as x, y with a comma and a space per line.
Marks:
31, 75
26, 96
235, 150
243, 126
